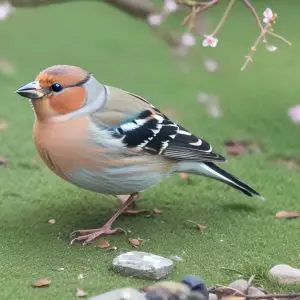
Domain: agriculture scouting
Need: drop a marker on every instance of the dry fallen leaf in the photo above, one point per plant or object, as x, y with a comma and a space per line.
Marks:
292, 163
41, 283
184, 176
80, 293
239, 147
283, 214
134, 242
103, 244
51, 221
3, 125
157, 211
3, 162
200, 227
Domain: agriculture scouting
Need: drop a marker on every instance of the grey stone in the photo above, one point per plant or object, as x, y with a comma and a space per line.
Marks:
254, 291
121, 294
212, 296
142, 265
240, 285
286, 274
167, 290
164, 290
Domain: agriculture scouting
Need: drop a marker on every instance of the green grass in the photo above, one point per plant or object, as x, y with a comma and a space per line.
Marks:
121, 51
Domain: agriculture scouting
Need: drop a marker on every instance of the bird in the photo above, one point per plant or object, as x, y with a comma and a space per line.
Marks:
111, 141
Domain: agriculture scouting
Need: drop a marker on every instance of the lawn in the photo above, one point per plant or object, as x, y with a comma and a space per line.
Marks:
241, 233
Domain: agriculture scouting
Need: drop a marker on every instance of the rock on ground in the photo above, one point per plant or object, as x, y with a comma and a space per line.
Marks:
212, 296
142, 265
240, 285
254, 291
121, 294
286, 274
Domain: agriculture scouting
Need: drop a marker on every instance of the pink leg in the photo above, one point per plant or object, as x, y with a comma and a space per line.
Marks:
88, 235
124, 198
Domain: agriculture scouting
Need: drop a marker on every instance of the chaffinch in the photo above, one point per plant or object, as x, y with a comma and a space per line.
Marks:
111, 141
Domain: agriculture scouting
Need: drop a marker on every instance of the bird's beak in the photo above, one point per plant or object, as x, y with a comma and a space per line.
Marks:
32, 91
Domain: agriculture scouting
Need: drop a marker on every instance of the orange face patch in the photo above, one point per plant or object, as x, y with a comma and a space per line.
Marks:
68, 100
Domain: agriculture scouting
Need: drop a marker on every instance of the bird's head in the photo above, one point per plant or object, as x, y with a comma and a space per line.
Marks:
63, 92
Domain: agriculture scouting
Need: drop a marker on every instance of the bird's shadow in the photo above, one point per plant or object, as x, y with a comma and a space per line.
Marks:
91, 211
239, 207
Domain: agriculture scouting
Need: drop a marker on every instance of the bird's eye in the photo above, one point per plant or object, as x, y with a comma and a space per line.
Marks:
56, 87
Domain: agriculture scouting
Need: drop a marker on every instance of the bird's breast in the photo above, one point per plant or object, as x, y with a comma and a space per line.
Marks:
82, 155
64, 146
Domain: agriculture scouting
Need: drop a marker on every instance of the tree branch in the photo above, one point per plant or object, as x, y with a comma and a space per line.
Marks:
137, 8
30, 3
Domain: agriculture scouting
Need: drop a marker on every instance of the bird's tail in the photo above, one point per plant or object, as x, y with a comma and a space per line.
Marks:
211, 170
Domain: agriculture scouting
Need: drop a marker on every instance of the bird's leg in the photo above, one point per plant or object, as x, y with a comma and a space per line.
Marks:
88, 235
132, 208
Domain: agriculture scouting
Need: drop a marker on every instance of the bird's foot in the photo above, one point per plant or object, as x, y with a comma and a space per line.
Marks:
86, 236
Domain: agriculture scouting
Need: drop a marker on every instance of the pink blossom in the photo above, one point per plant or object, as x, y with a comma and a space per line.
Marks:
210, 41
294, 113
268, 16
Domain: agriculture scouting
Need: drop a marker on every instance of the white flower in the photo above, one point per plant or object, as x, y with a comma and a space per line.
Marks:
294, 113
271, 48
188, 39
268, 16
210, 41
210, 65
170, 6
5, 10
155, 19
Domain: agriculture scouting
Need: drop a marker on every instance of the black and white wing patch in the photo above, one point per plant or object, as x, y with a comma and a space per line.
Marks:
153, 132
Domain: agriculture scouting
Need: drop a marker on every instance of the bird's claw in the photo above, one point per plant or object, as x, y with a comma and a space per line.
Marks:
89, 235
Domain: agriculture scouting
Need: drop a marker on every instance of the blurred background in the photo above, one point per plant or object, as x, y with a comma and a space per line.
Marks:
250, 116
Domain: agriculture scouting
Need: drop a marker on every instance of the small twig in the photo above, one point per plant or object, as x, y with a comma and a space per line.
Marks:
255, 14
268, 296
217, 290
208, 5
280, 37
224, 17
191, 21
253, 48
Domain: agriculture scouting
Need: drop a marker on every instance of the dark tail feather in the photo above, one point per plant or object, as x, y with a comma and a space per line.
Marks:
234, 182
